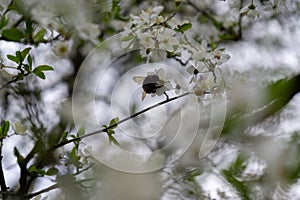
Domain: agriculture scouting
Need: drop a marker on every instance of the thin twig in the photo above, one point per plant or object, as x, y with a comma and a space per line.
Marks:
52, 187
120, 122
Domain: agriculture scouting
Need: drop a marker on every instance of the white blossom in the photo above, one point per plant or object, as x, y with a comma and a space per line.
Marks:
60, 48
19, 128
180, 85
146, 40
250, 11
167, 40
219, 57
88, 31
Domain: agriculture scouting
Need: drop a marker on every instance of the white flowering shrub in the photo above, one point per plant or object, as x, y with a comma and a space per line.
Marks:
177, 99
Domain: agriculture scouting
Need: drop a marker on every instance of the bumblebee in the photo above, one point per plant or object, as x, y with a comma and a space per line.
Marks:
150, 84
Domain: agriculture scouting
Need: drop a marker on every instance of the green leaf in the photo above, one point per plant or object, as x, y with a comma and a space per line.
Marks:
113, 140
74, 158
114, 123
33, 169
116, 9
38, 71
43, 68
238, 185
183, 27
3, 22
127, 38
29, 60
81, 132
52, 171
4, 129
29, 28
13, 58
13, 34
40, 74
110, 131
27, 68
18, 6
24, 53
39, 36
64, 136
19, 55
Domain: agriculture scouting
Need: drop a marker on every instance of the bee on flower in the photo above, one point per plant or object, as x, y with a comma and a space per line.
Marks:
155, 83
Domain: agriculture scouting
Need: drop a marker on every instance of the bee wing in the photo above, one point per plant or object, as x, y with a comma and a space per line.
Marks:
138, 79
143, 95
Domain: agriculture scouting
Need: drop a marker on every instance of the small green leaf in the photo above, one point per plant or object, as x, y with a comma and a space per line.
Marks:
127, 38
114, 123
43, 68
29, 28
38, 71
13, 34
29, 60
13, 58
110, 131
40, 74
24, 53
74, 158
27, 68
3, 21
64, 136
113, 140
81, 132
4, 129
19, 55
52, 171
33, 169
39, 36
183, 27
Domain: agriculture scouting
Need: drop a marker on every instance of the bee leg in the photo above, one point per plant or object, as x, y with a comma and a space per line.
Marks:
166, 96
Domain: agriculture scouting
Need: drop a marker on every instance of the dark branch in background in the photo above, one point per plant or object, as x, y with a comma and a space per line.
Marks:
32, 42
52, 187
240, 20
120, 122
228, 32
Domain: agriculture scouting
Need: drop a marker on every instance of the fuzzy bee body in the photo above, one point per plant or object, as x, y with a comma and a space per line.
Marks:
149, 83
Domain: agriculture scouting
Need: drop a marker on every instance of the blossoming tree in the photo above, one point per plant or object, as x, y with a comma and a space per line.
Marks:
177, 99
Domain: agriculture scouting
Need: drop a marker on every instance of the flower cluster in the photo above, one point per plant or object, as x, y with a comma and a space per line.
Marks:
154, 33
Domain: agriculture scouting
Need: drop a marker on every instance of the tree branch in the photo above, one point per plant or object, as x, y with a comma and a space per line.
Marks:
120, 122
52, 187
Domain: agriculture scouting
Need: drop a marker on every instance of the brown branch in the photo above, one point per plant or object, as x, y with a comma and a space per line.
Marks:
120, 122
52, 187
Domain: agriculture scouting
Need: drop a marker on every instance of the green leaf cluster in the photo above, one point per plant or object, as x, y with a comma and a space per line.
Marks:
25, 68
113, 124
